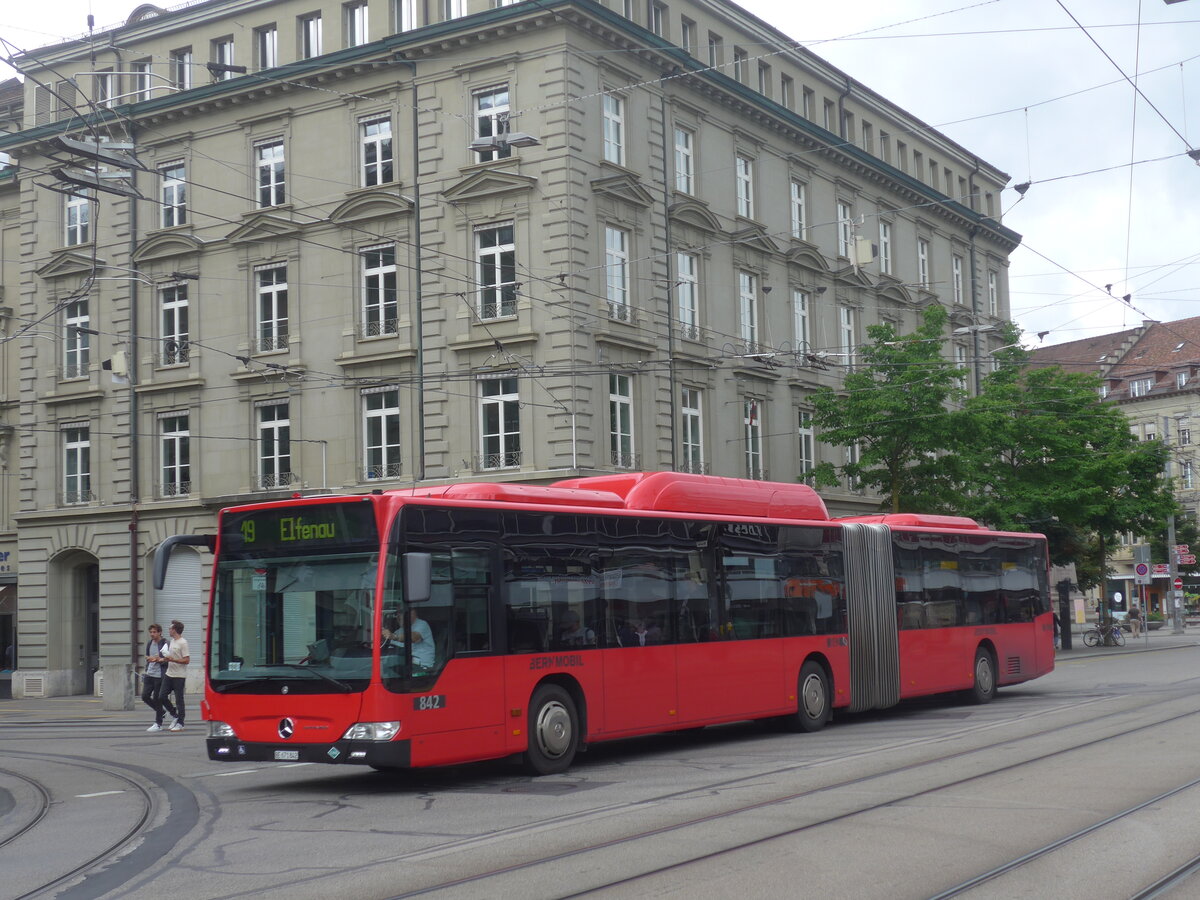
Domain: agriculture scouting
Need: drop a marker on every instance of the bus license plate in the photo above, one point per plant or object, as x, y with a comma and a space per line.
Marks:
291, 755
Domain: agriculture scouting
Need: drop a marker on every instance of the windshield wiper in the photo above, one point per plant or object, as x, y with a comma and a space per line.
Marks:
312, 671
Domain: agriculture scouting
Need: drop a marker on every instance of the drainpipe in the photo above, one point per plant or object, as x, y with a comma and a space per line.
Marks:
418, 311
667, 173
134, 430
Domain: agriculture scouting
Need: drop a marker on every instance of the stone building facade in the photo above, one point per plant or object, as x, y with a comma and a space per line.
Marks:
261, 246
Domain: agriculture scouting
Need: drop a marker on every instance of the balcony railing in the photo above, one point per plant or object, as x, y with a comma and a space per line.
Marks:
508, 460
696, 467
266, 343
75, 498
387, 470
174, 489
381, 328
621, 460
280, 480
174, 353
622, 312
75, 370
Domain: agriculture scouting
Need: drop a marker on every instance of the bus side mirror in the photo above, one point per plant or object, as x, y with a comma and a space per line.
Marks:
162, 555
418, 577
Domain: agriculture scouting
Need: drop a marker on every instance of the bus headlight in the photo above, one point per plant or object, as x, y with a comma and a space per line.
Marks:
371, 731
220, 730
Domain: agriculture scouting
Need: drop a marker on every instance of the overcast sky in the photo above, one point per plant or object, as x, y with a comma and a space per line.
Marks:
1022, 85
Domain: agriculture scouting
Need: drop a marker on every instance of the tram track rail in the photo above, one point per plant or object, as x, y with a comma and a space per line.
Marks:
451, 885
43, 806
129, 844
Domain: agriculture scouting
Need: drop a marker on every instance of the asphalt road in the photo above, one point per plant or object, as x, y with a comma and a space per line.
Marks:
1081, 784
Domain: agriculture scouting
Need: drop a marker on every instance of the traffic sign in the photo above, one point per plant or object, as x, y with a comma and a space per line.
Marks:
1162, 569
1187, 559
1178, 584
1141, 574
1182, 548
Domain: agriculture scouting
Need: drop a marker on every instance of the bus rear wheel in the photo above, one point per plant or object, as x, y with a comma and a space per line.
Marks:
553, 731
812, 699
984, 688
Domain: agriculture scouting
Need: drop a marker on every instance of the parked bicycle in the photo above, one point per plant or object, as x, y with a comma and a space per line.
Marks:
1108, 635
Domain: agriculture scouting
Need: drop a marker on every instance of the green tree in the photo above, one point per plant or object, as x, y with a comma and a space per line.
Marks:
1039, 450
895, 409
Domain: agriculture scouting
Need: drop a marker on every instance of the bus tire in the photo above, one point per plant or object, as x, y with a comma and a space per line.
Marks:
983, 688
553, 731
812, 699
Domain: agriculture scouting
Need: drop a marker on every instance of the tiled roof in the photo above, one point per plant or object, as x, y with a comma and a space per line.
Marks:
1164, 347
1086, 355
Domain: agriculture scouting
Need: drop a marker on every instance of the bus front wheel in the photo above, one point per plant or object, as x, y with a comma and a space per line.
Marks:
553, 731
812, 699
984, 688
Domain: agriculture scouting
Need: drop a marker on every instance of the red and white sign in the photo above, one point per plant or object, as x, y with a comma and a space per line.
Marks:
1178, 583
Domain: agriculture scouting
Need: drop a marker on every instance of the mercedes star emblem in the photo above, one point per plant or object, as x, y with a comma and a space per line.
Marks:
286, 728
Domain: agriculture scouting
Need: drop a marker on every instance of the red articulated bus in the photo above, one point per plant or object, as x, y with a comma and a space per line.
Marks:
429, 626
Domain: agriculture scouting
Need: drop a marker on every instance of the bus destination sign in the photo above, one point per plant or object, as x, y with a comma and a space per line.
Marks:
299, 528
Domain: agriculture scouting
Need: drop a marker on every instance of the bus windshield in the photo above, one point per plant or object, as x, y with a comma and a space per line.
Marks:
293, 599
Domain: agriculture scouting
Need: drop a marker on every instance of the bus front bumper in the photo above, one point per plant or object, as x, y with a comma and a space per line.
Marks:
385, 754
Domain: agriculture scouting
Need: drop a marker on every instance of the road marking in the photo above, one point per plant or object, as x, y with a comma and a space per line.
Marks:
238, 772
99, 794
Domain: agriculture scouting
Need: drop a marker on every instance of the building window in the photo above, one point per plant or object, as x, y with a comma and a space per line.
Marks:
885, 147
379, 291
180, 65
404, 15
684, 161
657, 18
266, 46
614, 128
848, 126
993, 294
744, 180
806, 444
496, 271
846, 333
269, 164
499, 423
77, 339
691, 412
381, 433
616, 267
104, 89
764, 79
923, 262
956, 273
748, 310
960, 363
491, 120
173, 320
787, 91
716, 52
311, 38
845, 227
752, 431
375, 138
272, 290
902, 155
1185, 475
141, 80
175, 455
885, 247
853, 458
77, 464
1181, 380
808, 103
801, 322
174, 194
1140, 387
453, 9
620, 421
274, 446
829, 116
78, 218
741, 66
687, 293
687, 35
357, 32
799, 211
1185, 432
222, 57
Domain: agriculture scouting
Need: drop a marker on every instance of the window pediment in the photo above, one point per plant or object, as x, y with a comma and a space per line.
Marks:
808, 256
755, 238
261, 227
694, 213
623, 187
489, 183
371, 205
163, 246
67, 263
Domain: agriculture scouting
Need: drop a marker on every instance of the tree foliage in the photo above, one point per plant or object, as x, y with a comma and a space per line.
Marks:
1035, 450
895, 409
